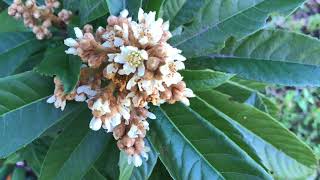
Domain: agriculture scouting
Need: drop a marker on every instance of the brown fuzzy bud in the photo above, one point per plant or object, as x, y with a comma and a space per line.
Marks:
119, 131
167, 94
112, 20
153, 63
177, 94
46, 23
130, 151
139, 145
127, 141
120, 145
148, 75
88, 28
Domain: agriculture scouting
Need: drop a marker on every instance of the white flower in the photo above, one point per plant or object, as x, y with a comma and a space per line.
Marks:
132, 60
51, 99
150, 86
80, 97
72, 51
78, 32
136, 159
70, 42
58, 102
123, 31
150, 115
95, 124
111, 68
173, 53
170, 72
124, 13
103, 107
134, 131
86, 90
149, 30
110, 124
188, 93
118, 42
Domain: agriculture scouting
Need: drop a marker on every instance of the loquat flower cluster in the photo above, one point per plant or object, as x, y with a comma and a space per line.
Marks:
40, 18
127, 66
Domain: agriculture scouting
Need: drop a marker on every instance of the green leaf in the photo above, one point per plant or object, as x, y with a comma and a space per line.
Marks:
66, 67
125, 168
35, 153
21, 90
201, 80
254, 85
74, 151
71, 4
9, 24
107, 164
29, 63
181, 135
92, 9
38, 114
279, 150
145, 170
18, 174
180, 12
242, 94
116, 6
133, 7
15, 48
270, 56
152, 5
218, 20
94, 174
160, 172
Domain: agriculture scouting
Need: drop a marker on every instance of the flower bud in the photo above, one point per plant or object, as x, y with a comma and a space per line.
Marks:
130, 151
127, 141
88, 28
153, 63
119, 131
120, 145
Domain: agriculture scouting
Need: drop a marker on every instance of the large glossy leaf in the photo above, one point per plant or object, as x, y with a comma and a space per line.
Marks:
115, 6
255, 85
35, 153
160, 172
71, 4
15, 47
219, 20
22, 89
268, 142
180, 12
244, 94
29, 63
66, 67
152, 5
94, 174
107, 164
74, 151
32, 120
92, 9
201, 80
190, 148
270, 56
9, 24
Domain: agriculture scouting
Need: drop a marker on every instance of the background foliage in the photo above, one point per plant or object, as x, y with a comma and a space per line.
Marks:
230, 130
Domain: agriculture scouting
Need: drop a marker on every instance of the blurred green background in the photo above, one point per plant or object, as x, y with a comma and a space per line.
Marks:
300, 106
